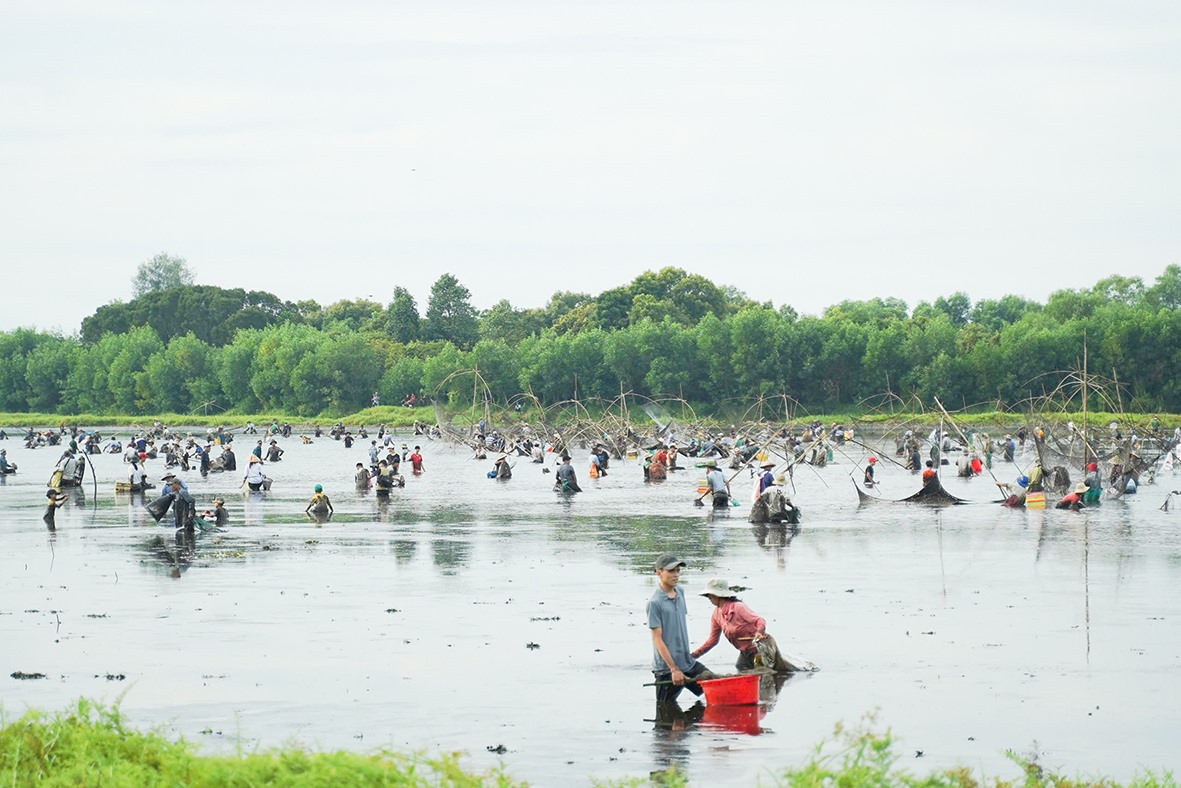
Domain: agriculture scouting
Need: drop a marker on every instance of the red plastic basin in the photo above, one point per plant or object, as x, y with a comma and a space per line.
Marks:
732, 690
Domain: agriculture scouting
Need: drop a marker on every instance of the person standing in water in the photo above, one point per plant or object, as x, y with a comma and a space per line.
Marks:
869, 481
673, 667
319, 506
56, 499
416, 461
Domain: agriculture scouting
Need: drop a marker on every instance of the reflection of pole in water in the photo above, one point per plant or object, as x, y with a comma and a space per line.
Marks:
942, 572
1087, 583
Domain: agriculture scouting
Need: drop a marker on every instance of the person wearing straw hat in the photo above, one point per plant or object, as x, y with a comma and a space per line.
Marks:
774, 505
1074, 498
501, 468
766, 479
218, 515
255, 478
672, 665
746, 630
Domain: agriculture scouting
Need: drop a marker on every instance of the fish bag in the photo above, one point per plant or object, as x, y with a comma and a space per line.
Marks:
159, 507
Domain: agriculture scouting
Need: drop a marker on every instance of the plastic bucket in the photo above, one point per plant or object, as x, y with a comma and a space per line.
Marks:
1035, 500
740, 719
732, 691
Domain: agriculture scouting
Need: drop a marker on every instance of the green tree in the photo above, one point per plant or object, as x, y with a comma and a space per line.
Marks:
1165, 292
957, 307
181, 377
48, 365
995, 314
503, 322
15, 348
449, 314
161, 272
128, 382
402, 321
354, 315
211, 314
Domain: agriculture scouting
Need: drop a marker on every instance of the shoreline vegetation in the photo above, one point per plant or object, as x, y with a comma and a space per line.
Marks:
94, 742
668, 336
397, 417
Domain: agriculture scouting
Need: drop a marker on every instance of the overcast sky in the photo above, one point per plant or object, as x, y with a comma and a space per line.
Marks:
804, 152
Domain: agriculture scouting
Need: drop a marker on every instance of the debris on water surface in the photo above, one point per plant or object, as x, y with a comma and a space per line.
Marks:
532, 646
392, 610
96, 615
21, 675
546, 618
499, 749
111, 676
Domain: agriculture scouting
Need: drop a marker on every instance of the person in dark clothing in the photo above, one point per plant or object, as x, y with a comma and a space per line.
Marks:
56, 499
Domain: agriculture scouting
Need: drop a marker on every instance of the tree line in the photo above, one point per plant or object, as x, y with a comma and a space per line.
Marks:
188, 348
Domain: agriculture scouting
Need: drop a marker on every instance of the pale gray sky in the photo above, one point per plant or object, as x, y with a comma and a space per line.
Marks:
805, 152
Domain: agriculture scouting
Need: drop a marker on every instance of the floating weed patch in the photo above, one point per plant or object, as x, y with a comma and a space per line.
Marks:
91, 744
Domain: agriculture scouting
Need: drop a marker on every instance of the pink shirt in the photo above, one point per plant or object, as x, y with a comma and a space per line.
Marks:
734, 620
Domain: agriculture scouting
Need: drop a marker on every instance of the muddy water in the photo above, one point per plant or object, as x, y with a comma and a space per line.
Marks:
505, 621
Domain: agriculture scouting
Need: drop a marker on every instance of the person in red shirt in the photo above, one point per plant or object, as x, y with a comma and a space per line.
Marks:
929, 474
745, 629
1074, 498
416, 460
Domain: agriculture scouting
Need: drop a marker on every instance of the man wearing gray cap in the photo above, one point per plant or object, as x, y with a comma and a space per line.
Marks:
672, 665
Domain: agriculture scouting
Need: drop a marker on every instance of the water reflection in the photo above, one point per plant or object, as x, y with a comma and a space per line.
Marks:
775, 538
403, 550
176, 555
671, 746
450, 555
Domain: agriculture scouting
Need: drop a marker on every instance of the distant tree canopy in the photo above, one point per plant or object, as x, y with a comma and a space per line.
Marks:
162, 272
194, 348
211, 314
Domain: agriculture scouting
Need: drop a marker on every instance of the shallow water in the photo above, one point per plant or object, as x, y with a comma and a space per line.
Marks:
968, 630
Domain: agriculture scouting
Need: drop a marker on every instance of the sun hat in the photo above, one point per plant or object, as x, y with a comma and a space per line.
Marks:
781, 480
710, 463
1080, 488
719, 588
1023, 481
669, 561
253, 459
767, 465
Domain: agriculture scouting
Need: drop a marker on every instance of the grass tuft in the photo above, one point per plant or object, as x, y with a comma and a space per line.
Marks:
91, 744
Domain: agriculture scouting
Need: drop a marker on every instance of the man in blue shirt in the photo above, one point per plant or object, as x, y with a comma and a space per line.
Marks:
672, 665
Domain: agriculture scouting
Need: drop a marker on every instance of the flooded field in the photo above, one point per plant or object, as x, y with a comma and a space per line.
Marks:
505, 621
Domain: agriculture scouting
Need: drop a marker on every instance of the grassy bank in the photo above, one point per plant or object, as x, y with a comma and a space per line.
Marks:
92, 744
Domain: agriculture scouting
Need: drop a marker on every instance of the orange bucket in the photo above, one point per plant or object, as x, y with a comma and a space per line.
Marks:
732, 691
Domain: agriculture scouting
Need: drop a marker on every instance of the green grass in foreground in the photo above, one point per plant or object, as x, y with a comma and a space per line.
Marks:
91, 744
